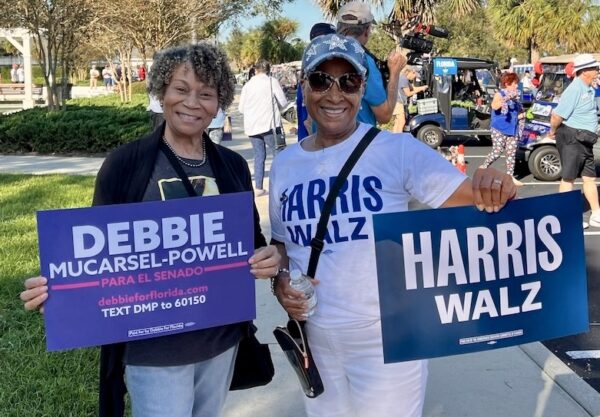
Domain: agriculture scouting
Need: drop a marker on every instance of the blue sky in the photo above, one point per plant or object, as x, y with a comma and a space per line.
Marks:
303, 11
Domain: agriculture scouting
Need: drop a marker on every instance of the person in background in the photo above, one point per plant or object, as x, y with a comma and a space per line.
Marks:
260, 101
184, 374
155, 111
107, 77
344, 333
507, 112
215, 128
573, 117
94, 75
20, 74
141, 73
13, 74
305, 124
527, 81
155, 108
406, 90
378, 103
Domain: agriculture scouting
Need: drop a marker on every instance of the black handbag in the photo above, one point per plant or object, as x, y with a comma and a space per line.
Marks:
253, 364
292, 338
278, 132
279, 139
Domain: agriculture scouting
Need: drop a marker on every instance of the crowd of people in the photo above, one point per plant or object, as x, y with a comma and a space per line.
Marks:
17, 74
110, 76
343, 95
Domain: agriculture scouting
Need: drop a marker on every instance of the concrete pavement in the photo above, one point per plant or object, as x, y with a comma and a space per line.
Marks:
523, 381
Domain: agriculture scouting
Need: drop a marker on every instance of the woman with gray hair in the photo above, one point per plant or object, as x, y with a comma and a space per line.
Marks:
185, 374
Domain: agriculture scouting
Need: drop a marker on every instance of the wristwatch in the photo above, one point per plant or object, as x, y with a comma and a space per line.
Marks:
275, 279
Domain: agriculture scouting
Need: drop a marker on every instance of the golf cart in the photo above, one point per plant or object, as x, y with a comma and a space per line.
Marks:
535, 147
459, 97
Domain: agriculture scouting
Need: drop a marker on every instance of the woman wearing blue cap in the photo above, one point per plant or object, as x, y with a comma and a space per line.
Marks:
344, 333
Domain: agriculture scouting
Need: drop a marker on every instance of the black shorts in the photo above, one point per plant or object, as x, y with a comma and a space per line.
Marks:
577, 158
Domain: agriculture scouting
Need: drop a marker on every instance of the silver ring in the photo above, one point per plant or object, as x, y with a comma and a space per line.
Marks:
497, 181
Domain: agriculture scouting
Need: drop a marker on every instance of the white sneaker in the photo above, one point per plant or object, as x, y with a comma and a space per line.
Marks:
586, 225
595, 220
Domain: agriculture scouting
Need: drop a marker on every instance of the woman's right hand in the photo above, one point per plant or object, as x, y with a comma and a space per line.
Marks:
293, 301
36, 292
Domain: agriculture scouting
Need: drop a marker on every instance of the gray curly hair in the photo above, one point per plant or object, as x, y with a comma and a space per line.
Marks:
208, 62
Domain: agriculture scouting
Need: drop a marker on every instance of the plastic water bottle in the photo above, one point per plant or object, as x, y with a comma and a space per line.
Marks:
301, 282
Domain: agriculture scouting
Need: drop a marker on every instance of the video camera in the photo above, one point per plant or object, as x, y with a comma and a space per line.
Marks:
416, 41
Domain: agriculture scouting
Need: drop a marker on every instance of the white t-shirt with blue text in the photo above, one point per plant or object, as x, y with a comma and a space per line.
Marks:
394, 169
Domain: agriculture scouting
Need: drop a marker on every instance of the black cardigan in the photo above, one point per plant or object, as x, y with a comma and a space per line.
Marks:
123, 178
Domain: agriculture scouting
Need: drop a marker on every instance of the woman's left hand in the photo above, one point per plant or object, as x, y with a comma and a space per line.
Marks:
265, 262
492, 189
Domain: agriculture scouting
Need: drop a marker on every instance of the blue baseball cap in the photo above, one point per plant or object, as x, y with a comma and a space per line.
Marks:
320, 29
326, 47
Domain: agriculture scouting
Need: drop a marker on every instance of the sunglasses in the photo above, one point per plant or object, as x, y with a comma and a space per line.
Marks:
321, 82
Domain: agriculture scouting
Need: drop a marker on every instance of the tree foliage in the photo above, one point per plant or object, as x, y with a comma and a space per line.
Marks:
66, 30
404, 9
272, 41
550, 26
380, 43
7, 48
472, 36
497, 28
57, 26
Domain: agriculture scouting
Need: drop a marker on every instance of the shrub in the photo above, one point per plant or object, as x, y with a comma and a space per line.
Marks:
138, 87
81, 129
111, 100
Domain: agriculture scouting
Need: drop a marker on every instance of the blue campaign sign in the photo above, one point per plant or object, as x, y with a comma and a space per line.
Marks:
134, 271
445, 66
457, 280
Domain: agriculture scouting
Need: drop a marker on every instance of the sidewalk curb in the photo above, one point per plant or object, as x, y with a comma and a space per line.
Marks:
564, 377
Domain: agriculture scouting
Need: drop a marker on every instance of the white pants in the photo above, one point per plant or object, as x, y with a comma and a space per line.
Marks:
357, 382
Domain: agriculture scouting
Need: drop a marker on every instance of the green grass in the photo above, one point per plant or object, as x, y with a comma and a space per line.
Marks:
35, 383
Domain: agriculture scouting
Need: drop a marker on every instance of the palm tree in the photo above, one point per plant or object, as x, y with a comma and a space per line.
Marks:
552, 26
404, 9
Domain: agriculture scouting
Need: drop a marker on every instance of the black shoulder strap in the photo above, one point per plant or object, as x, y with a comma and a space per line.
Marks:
316, 243
177, 167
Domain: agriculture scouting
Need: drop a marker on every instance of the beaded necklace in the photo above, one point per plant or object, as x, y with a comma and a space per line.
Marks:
180, 159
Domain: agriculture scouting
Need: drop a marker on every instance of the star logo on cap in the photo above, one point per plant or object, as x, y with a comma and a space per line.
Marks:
336, 42
358, 49
311, 51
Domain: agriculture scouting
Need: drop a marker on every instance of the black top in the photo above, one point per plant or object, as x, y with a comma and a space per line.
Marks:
123, 178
